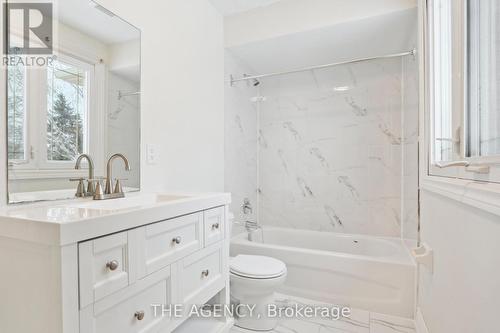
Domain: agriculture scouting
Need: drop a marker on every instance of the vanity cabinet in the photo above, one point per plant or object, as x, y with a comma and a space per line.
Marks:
176, 261
102, 271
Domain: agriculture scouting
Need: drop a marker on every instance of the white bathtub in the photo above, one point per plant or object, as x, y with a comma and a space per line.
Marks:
371, 273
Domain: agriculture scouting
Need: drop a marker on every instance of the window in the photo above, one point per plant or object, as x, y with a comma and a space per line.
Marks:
483, 72
50, 131
16, 115
66, 111
464, 72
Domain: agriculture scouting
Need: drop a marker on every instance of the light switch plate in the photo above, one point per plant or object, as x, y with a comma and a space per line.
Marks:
152, 154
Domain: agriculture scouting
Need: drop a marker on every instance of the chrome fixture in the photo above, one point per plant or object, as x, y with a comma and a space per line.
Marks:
90, 187
255, 78
139, 315
255, 82
109, 192
247, 207
81, 192
250, 227
96, 190
112, 265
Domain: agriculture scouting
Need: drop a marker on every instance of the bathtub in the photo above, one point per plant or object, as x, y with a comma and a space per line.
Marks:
371, 273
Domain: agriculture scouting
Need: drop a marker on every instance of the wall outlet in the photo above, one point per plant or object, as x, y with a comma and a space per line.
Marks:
152, 155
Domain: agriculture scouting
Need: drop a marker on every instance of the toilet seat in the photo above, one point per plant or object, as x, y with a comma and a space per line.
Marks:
257, 267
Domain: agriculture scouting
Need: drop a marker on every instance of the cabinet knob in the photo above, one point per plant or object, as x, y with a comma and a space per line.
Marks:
112, 265
177, 240
215, 226
139, 315
205, 273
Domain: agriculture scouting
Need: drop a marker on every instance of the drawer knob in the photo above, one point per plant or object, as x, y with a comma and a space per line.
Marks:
177, 240
112, 265
215, 226
205, 273
139, 315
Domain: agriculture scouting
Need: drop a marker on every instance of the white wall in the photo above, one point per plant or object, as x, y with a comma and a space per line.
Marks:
463, 293
182, 91
292, 16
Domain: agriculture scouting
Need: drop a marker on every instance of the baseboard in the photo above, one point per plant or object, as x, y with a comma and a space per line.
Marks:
420, 325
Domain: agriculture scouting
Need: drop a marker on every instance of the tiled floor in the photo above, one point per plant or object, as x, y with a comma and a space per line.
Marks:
360, 321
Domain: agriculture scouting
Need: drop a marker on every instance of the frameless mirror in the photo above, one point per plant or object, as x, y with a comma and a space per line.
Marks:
83, 100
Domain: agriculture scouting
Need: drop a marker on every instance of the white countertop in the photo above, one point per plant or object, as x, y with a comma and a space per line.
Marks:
70, 221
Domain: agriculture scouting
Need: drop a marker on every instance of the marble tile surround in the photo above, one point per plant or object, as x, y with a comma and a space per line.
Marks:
360, 321
241, 139
335, 149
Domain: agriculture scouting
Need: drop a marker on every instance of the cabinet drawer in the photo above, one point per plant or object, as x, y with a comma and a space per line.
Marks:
200, 275
131, 310
162, 243
214, 224
104, 266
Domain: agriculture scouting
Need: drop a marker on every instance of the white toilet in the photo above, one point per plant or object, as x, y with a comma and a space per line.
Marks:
254, 280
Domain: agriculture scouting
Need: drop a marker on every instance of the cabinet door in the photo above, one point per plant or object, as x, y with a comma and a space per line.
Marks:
131, 310
201, 275
104, 267
163, 243
214, 224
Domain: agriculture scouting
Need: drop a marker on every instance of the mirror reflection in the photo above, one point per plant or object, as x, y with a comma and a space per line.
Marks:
86, 100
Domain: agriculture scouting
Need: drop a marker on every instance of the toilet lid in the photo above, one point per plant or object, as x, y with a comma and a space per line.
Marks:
257, 267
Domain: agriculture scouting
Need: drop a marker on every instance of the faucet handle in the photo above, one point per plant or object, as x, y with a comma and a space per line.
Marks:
118, 185
80, 190
98, 187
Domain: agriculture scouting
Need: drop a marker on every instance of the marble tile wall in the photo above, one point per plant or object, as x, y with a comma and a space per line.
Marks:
123, 134
241, 139
330, 149
409, 229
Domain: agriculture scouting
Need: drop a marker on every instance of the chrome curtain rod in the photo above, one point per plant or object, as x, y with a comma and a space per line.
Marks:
305, 69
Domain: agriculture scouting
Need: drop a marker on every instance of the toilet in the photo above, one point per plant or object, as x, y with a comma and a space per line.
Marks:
254, 280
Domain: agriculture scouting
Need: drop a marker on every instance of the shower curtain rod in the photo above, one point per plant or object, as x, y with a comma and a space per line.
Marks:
305, 69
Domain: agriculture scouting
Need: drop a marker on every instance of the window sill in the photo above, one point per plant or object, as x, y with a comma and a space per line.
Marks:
20, 174
481, 195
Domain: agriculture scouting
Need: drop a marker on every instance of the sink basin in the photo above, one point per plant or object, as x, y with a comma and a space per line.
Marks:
133, 201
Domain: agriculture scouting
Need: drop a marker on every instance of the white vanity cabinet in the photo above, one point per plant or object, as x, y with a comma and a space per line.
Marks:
110, 282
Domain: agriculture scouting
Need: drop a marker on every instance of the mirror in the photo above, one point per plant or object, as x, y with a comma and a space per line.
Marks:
85, 99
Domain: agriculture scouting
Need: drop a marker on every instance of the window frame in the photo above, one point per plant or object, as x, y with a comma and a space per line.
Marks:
38, 166
459, 97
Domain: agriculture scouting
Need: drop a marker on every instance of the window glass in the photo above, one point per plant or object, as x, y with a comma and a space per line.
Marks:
16, 114
66, 111
483, 85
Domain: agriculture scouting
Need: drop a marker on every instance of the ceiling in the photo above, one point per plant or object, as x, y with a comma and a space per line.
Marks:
380, 35
84, 16
231, 7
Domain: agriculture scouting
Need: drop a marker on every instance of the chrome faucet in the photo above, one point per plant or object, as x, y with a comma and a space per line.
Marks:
96, 191
247, 207
90, 187
109, 176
